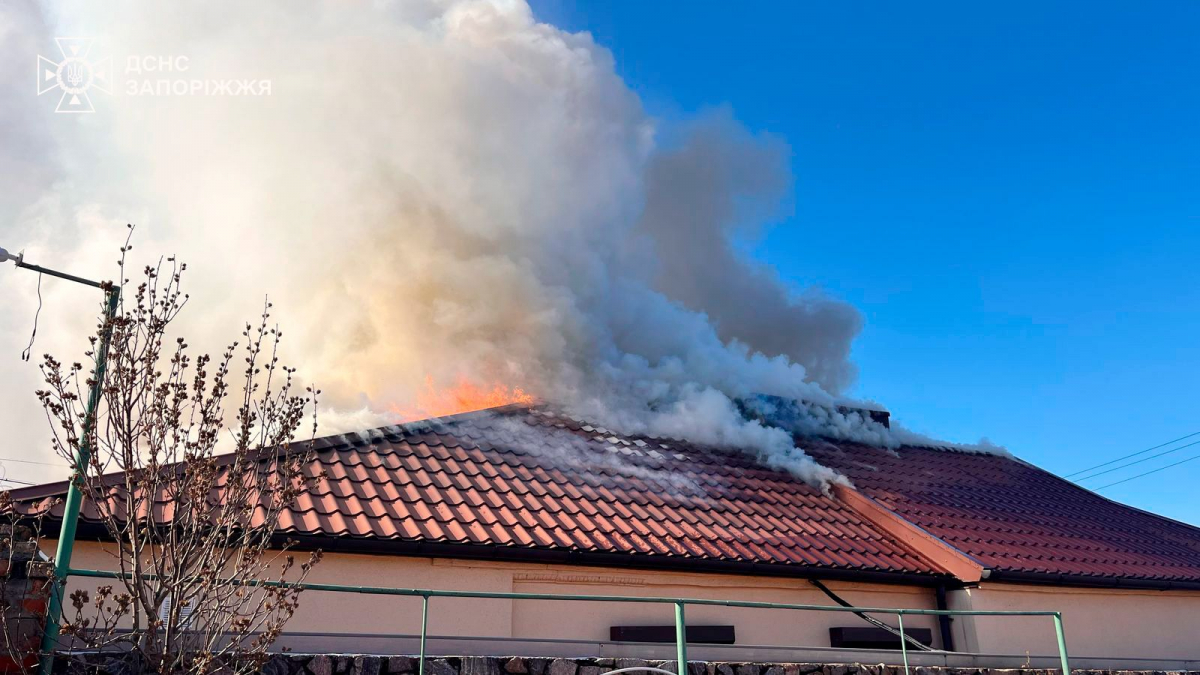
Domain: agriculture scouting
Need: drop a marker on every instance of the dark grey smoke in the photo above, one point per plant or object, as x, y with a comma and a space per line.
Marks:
700, 198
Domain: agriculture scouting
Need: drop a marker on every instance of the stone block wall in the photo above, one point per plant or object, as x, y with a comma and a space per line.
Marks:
294, 664
24, 595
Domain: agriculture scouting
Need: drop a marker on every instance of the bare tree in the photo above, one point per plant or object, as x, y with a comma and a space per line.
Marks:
187, 487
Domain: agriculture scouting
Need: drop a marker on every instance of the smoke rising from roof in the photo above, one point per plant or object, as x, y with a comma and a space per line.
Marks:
433, 190
724, 183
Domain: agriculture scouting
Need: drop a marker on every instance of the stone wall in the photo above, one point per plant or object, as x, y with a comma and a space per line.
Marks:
293, 664
24, 594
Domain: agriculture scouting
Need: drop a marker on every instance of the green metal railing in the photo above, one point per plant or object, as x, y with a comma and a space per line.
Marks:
679, 603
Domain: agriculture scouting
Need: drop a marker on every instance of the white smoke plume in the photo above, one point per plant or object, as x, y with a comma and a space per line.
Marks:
435, 191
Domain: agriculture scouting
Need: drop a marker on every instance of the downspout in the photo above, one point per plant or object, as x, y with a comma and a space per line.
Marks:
944, 619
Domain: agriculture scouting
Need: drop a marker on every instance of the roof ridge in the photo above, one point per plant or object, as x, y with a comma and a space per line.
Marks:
921, 542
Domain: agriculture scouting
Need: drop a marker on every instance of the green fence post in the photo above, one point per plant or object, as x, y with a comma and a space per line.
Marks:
424, 630
680, 640
903, 642
1062, 643
70, 519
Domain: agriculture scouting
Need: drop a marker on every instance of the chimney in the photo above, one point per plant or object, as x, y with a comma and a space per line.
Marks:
879, 416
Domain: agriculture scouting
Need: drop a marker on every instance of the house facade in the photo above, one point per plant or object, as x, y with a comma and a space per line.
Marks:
527, 500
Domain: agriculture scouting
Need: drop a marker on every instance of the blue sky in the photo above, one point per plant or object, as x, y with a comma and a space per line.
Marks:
1010, 194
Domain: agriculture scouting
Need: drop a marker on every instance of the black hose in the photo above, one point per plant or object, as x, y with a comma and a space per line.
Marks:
870, 619
29, 348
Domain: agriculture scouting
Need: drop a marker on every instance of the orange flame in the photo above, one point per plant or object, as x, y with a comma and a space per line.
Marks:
462, 397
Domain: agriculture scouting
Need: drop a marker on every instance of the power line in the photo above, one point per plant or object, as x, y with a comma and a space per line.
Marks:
5, 479
1135, 454
30, 461
1161, 468
1139, 461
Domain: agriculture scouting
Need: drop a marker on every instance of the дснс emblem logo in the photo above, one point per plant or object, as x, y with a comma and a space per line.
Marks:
75, 74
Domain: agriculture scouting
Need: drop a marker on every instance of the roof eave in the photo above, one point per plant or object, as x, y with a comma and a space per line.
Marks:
1090, 581
428, 549
93, 531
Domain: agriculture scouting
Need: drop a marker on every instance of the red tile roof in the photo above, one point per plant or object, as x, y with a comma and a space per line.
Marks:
1015, 518
524, 481
515, 483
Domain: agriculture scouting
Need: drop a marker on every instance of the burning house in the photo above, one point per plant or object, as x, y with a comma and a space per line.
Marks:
460, 195
523, 498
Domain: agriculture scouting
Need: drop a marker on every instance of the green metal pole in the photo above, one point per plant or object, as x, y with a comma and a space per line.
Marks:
66, 535
903, 642
424, 631
680, 640
1062, 643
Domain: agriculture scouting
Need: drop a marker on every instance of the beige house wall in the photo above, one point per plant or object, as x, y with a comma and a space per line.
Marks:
347, 613
1101, 623
1106, 623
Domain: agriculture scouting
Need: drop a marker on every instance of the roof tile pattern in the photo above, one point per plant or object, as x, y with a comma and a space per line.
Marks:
538, 480
533, 479
1012, 516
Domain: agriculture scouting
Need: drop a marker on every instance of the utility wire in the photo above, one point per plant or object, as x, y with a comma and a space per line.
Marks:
1139, 461
1135, 454
5, 479
30, 461
1161, 468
